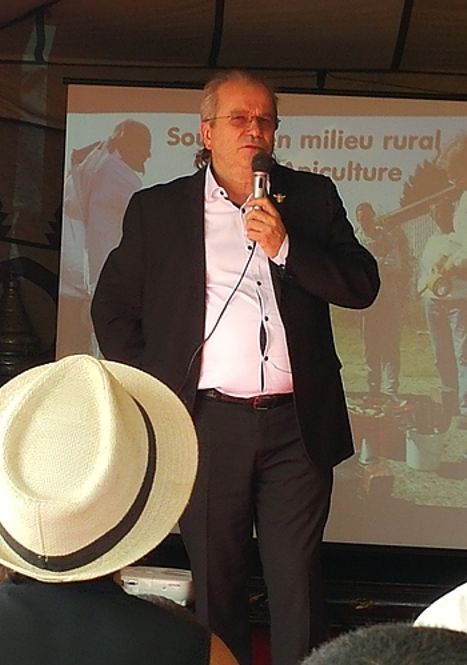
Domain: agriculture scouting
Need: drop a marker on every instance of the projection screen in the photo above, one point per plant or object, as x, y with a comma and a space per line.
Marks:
404, 359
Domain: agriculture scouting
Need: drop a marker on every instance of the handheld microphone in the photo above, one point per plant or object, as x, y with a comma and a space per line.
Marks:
261, 165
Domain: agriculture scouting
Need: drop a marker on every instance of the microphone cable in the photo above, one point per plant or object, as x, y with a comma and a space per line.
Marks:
261, 166
221, 314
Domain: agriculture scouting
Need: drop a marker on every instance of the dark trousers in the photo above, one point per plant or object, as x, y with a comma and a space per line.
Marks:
254, 470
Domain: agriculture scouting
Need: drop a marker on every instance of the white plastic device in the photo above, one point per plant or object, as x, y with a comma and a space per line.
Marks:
173, 583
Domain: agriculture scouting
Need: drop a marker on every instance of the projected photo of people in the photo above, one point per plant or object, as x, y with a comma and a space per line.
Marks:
400, 167
408, 406
443, 286
102, 177
382, 342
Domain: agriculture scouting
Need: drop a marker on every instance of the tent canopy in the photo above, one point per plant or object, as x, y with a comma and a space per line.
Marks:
399, 46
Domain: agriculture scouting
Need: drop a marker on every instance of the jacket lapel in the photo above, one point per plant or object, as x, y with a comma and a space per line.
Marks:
278, 194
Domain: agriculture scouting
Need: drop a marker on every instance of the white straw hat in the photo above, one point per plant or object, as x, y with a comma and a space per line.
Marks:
97, 463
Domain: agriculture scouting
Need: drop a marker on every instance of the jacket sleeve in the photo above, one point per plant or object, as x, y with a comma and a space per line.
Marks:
116, 308
330, 263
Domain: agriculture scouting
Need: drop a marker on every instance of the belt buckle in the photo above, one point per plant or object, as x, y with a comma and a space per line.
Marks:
261, 402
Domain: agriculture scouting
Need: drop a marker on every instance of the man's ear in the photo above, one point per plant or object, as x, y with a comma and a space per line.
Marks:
205, 129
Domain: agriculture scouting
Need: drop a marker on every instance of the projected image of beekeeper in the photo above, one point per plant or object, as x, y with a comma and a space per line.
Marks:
101, 180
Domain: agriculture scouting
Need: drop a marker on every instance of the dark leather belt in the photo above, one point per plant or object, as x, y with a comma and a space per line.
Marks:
260, 402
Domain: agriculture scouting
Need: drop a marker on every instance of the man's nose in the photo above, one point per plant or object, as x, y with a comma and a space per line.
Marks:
253, 125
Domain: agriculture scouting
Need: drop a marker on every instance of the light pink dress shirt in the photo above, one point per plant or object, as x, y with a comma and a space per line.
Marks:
247, 354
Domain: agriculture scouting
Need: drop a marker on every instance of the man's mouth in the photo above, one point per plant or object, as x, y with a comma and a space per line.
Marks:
255, 146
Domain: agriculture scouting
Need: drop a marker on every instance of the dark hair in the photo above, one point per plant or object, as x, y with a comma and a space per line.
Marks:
393, 644
6, 574
209, 102
126, 130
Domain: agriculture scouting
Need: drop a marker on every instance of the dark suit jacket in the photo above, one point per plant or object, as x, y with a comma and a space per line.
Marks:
93, 623
149, 305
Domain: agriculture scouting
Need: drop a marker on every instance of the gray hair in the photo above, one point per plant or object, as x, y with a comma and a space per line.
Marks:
392, 644
209, 102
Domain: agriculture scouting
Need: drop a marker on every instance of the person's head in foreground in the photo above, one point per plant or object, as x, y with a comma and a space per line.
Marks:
97, 465
393, 644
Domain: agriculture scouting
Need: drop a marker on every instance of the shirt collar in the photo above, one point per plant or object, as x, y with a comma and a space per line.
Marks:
213, 191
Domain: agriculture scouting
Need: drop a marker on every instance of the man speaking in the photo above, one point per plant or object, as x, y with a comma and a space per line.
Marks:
223, 293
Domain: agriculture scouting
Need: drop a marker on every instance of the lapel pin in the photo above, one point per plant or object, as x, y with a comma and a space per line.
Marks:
279, 197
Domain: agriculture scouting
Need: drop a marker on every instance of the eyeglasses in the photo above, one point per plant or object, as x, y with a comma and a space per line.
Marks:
242, 120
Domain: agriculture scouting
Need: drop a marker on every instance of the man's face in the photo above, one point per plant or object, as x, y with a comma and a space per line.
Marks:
232, 141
